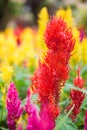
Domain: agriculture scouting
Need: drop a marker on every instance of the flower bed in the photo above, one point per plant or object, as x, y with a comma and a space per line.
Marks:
43, 75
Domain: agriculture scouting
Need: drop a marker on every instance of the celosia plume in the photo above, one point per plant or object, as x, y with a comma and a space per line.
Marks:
13, 107
76, 96
6, 72
53, 72
58, 36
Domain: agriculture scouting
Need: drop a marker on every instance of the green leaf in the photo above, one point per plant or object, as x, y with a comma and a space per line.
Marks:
34, 97
22, 81
76, 88
1, 128
23, 102
84, 70
62, 121
68, 125
84, 103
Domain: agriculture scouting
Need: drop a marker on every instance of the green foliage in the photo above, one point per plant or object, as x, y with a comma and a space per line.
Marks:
22, 80
14, 7
8, 10
65, 123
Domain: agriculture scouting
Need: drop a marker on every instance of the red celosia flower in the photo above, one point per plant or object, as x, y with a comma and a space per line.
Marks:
79, 81
58, 36
52, 74
17, 33
13, 107
18, 30
77, 96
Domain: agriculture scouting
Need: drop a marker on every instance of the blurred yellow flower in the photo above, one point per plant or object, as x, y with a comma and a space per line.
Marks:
43, 18
6, 72
66, 15
83, 45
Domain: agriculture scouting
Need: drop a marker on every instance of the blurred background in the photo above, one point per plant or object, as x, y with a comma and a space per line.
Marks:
22, 46
25, 12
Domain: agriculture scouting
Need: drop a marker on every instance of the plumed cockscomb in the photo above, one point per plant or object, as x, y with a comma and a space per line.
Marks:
58, 35
52, 74
13, 107
76, 96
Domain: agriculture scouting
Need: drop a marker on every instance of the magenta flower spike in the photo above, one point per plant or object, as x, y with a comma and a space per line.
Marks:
33, 119
36, 120
46, 122
13, 107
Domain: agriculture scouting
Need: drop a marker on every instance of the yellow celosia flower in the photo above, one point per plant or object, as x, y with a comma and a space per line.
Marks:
26, 51
15, 54
42, 23
6, 72
76, 57
9, 32
32, 46
80, 55
43, 20
83, 45
67, 15
2, 41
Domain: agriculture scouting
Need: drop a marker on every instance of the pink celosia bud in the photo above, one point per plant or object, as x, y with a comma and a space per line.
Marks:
13, 107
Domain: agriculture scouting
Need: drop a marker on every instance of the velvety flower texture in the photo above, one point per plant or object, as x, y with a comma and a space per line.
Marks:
58, 36
13, 107
53, 72
38, 120
46, 123
77, 97
85, 123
